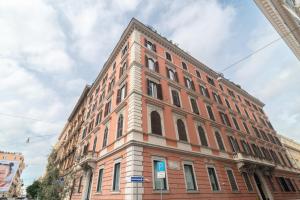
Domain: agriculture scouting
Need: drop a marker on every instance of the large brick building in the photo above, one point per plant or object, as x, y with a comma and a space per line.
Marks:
154, 102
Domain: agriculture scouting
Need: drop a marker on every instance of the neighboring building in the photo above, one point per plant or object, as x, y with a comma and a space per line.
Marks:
152, 102
293, 150
11, 167
284, 15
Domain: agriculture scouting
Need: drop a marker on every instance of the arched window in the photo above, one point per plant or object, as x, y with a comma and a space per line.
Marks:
181, 130
155, 123
202, 136
105, 137
120, 126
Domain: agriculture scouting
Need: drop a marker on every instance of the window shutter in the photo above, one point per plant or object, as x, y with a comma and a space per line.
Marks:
156, 123
167, 71
231, 144
175, 98
159, 92
207, 93
227, 120
181, 130
185, 81
194, 105
192, 85
219, 98
118, 96
154, 47
125, 90
156, 67
176, 77
237, 145
149, 88
221, 116
146, 62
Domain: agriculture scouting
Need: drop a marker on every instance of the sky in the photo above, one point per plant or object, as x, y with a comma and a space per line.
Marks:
49, 50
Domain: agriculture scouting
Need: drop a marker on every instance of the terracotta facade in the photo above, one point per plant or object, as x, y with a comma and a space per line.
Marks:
158, 103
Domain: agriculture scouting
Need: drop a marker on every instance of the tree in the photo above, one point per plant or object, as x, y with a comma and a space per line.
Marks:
34, 189
51, 185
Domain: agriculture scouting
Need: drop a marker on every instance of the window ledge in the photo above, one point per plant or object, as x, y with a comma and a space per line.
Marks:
161, 191
192, 191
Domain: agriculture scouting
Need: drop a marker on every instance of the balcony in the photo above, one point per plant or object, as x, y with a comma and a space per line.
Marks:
88, 160
246, 161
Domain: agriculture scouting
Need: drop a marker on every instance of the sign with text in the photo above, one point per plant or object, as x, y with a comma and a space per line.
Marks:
161, 169
137, 179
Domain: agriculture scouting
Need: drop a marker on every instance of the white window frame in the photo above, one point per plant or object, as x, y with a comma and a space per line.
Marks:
212, 166
101, 167
211, 111
158, 158
175, 118
190, 97
119, 160
154, 92
170, 90
172, 69
195, 177
238, 189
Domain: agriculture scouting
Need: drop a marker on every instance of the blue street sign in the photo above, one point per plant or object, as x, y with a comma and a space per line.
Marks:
137, 179
161, 167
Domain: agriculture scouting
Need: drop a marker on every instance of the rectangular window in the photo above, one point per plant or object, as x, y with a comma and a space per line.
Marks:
237, 108
98, 118
210, 113
168, 56
100, 178
224, 119
150, 45
116, 178
198, 74
79, 185
172, 74
232, 180
204, 91
235, 123
219, 141
189, 83
189, 177
246, 127
213, 179
154, 90
175, 98
231, 93
217, 98
194, 106
107, 108
159, 183
269, 178
210, 80
247, 181
121, 94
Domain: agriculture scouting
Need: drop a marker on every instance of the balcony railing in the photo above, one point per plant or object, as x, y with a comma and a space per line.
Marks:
240, 157
88, 159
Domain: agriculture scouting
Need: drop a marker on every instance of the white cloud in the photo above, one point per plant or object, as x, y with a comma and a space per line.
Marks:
31, 34
200, 27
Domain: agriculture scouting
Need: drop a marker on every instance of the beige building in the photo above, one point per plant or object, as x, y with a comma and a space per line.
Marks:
11, 167
284, 15
293, 150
